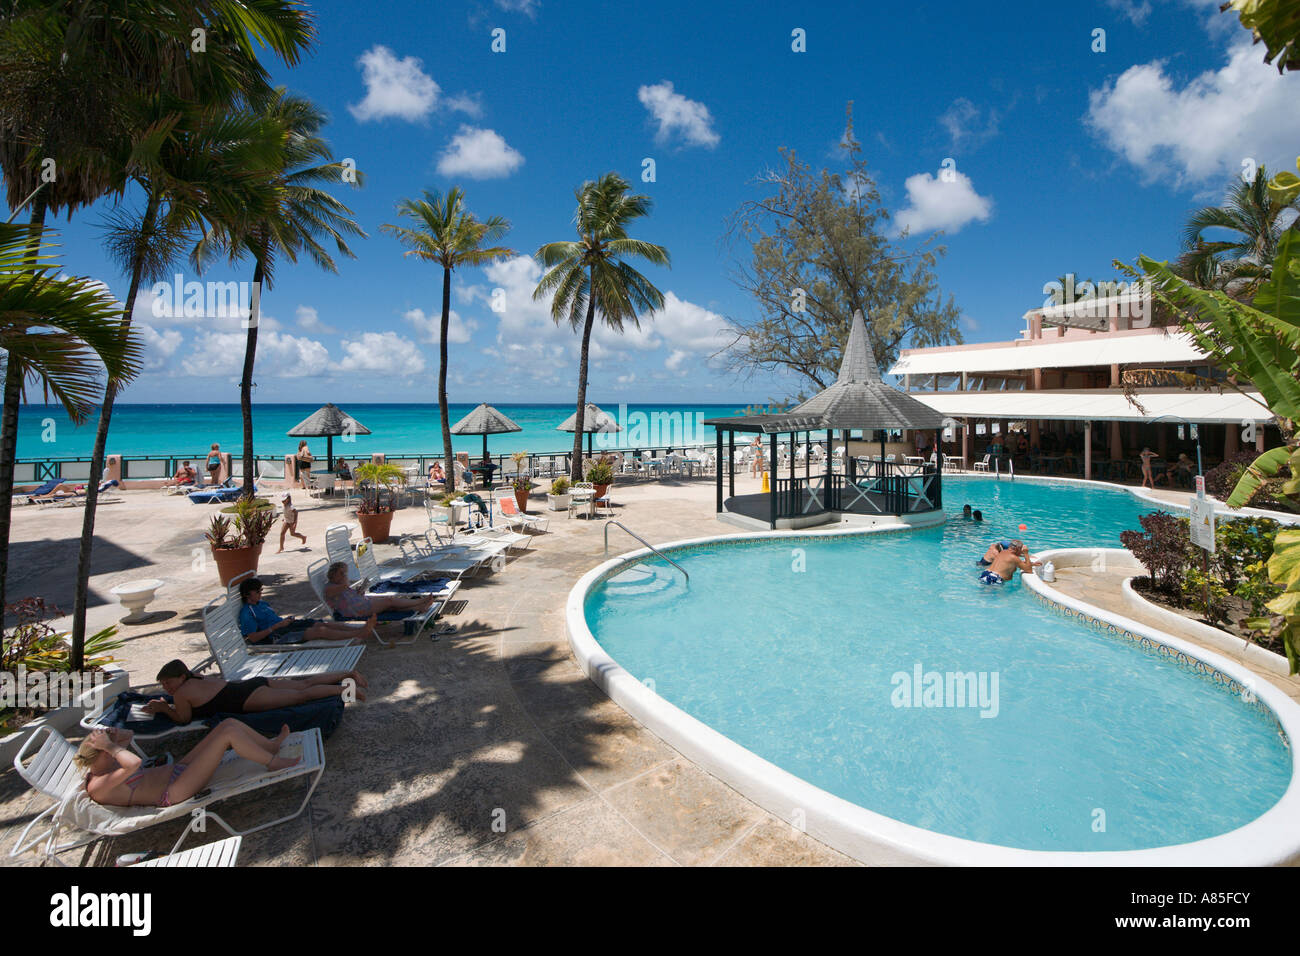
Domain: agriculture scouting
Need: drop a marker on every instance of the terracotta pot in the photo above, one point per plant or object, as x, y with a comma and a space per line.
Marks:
232, 562
521, 499
600, 489
375, 527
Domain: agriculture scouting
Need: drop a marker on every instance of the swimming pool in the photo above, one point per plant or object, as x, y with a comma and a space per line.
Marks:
876, 669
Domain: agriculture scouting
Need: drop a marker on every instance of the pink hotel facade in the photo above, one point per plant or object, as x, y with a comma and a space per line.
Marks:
1063, 377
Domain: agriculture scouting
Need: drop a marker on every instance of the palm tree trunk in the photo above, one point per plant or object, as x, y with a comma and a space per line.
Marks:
450, 475
97, 455
13, 390
246, 381
578, 421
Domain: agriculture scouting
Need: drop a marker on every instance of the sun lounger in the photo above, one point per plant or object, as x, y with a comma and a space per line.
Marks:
212, 855
231, 654
480, 537
515, 518
125, 712
45, 762
226, 491
236, 604
413, 622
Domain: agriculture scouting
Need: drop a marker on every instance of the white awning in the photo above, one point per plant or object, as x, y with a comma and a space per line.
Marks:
1100, 350
1100, 405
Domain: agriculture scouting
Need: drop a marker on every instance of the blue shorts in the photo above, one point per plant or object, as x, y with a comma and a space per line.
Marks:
990, 577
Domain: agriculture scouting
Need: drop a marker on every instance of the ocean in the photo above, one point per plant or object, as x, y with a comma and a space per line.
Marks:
44, 431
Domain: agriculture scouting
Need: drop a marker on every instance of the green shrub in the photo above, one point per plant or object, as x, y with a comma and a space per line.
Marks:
560, 486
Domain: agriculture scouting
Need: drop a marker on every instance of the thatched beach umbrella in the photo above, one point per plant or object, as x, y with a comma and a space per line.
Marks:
484, 420
326, 422
593, 420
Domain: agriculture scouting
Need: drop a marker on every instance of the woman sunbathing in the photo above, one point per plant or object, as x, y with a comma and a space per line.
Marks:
349, 604
114, 776
196, 698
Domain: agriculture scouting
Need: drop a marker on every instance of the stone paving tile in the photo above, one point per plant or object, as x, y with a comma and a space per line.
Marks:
559, 695
610, 750
775, 843
691, 815
590, 834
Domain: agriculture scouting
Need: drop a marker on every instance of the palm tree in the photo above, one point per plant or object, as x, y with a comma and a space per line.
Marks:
296, 214
1239, 264
73, 72
64, 335
592, 274
448, 234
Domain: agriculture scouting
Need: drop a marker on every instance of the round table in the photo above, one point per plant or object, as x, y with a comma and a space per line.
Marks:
483, 472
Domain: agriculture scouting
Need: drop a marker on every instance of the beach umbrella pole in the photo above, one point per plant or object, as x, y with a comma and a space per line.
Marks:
329, 452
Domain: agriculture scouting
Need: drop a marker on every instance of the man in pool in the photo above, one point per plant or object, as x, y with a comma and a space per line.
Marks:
1007, 563
966, 512
996, 548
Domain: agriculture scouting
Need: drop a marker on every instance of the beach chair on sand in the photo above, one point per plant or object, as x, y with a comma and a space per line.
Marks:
74, 820
231, 654
412, 623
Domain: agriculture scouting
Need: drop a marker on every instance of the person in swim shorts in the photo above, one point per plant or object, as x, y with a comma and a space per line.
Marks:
1005, 565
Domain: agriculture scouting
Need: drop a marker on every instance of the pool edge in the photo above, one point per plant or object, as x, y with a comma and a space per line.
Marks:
871, 837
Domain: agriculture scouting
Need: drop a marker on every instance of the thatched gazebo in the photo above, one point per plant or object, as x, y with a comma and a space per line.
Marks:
858, 400
485, 420
326, 422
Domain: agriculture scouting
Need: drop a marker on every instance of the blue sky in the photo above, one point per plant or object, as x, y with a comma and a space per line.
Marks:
1066, 159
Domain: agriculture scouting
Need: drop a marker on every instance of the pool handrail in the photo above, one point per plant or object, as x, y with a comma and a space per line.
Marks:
646, 543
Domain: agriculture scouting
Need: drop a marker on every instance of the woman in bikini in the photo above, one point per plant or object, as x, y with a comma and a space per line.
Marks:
114, 776
302, 465
197, 698
349, 604
213, 463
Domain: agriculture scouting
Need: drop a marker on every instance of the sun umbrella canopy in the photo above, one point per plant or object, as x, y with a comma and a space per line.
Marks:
484, 420
326, 422
593, 420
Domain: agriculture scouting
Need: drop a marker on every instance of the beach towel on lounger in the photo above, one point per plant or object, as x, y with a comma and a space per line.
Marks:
125, 713
411, 587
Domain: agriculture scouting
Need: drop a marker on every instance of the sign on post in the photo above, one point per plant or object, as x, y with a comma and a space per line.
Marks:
1202, 527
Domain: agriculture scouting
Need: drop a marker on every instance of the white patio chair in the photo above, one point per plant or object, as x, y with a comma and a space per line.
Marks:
46, 763
515, 518
982, 464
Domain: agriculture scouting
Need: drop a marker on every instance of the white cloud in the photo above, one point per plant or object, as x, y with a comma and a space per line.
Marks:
159, 346
529, 7
969, 324
279, 355
1133, 11
459, 330
479, 154
401, 89
936, 204
309, 320
1205, 129
384, 352
678, 116
216, 305
968, 125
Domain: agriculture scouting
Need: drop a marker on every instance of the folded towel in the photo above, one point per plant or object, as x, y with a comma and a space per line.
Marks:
435, 586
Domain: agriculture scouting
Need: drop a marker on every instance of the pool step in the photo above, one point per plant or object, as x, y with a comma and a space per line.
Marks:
639, 580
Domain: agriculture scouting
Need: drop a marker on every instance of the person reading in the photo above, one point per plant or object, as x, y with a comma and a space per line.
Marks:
261, 625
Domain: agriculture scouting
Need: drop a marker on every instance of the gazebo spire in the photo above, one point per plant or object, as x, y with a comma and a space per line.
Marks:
859, 364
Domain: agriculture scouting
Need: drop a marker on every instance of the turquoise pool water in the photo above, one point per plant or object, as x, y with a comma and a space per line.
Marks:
806, 653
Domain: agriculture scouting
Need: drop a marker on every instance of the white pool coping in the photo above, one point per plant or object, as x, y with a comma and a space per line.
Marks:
1269, 840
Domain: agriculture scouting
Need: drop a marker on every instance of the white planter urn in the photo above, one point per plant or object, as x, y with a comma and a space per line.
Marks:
559, 502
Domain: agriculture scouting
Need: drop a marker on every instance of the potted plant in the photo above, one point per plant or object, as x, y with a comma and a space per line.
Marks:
601, 476
237, 543
559, 498
376, 485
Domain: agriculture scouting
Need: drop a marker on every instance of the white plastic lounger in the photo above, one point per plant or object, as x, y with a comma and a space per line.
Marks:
236, 604
51, 771
509, 509
483, 536
230, 651
223, 853
413, 623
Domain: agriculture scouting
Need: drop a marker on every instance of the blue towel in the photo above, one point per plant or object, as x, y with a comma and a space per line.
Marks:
411, 587
46, 488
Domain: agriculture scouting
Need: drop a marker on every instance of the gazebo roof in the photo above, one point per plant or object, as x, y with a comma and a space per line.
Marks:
327, 421
594, 421
484, 420
858, 399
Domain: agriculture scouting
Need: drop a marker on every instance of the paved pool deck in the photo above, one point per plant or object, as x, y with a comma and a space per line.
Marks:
487, 747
